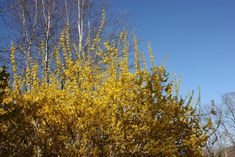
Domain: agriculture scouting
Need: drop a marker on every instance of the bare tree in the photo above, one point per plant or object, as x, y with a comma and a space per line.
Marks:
228, 122
40, 22
222, 143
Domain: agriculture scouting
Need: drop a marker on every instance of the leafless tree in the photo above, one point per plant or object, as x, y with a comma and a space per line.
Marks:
36, 22
222, 143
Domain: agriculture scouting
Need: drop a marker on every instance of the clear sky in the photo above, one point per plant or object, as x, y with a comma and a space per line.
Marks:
197, 36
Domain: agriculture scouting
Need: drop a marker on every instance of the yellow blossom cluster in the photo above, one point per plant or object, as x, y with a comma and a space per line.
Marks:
95, 105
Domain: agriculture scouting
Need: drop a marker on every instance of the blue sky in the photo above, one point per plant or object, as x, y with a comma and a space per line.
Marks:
197, 36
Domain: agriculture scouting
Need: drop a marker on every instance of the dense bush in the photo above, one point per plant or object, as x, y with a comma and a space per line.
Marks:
95, 105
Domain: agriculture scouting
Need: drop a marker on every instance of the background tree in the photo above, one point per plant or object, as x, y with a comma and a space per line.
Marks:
222, 143
33, 24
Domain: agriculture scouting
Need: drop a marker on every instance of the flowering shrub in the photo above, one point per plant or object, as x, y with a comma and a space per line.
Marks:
94, 105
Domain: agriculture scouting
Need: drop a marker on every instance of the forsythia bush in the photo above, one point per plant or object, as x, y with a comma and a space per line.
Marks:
93, 104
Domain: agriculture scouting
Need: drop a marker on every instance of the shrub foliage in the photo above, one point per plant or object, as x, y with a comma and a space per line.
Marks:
95, 105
